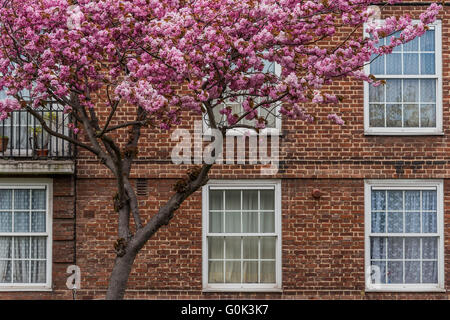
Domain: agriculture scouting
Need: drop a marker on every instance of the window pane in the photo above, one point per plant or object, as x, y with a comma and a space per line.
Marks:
268, 247
376, 94
411, 115
412, 248
411, 63
395, 272
412, 222
429, 248
378, 222
377, 65
428, 115
393, 115
376, 115
427, 65
5, 199
412, 45
267, 222
5, 247
270, 115
21, 199
38, 199
21, 248
38, 222
429, 200
393, 90
5, 271
395, 222
215, 270
38, 247
395, 248
429, 222
250, 222
232, 222
232, 199
250, 247
215, 200
233, 248
427, 41
267, 271
412, 200
250, 199
21, 222
394, 63
5, 221
38, 272
215, 222
267, 199
412, 271
377, 248
21, 271
428, 90
411, 90
429, 272
378, 200
250, 271
378, 274
215, 248
395, 200
233, 272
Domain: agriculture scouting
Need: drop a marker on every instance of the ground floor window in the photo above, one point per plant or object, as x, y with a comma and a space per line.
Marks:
404, 235
25, 234
242, 240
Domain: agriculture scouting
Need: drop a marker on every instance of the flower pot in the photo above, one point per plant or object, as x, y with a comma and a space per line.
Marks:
3, 144
41, 152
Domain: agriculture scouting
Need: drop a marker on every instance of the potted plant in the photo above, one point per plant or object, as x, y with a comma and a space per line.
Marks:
40, 141
41, 137
3, 143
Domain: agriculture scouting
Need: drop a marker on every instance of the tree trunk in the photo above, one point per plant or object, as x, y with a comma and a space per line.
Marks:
119, 276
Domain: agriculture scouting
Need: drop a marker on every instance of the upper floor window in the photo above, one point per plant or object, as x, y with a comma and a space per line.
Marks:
25, 235
411, 100
241, 236
270, 114
404, 235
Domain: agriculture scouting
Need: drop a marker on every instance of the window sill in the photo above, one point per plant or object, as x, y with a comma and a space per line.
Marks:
407, 289
403, 133
248, 132
241, 289
25, 288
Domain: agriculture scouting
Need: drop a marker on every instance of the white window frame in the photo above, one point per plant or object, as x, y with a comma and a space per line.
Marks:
32, 183
245, 131
405, 185
242, 185
437, 26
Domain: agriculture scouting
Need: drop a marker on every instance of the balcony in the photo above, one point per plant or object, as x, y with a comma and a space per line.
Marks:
26, 148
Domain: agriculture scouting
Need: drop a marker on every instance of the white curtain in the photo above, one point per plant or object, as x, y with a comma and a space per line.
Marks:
242, 257
23, 258
404, 259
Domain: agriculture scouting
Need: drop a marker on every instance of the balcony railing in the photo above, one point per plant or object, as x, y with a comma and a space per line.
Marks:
27, 139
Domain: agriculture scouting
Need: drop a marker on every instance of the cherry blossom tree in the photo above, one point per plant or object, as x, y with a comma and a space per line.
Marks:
94, 56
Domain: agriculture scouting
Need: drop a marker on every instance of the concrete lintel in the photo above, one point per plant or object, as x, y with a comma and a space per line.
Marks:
8, 167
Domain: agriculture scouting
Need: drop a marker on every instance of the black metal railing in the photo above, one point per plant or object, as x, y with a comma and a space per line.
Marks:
25, 137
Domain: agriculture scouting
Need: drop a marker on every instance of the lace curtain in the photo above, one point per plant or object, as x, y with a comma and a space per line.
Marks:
402, 258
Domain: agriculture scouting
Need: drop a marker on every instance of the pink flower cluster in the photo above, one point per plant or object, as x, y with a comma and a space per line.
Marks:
146, 50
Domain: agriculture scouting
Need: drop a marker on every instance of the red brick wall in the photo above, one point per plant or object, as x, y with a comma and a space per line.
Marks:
322, 240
